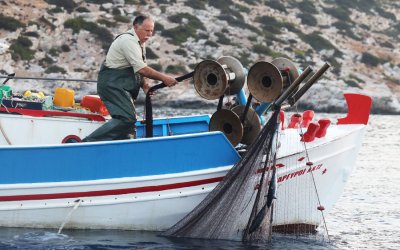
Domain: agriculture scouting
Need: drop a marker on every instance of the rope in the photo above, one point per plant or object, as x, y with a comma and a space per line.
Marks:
4, 134
1, 127
313, 180
50, 79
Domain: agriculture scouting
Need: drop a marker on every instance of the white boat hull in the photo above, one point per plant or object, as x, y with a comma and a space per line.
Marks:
158, 202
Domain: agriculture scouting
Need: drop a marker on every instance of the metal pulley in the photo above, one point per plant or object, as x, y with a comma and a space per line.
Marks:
251, 125
288, 71
236, 73
227, 122
264, 81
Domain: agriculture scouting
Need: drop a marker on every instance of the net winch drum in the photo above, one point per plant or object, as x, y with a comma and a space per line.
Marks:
227, 122
251, 125
236, 73
264, 81
213, 79
210, 79
288, 70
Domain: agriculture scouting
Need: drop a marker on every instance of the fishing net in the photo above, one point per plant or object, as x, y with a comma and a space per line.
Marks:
239, 208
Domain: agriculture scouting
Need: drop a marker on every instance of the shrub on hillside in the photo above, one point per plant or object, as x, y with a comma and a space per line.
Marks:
165, 1
365, 6
262, 49
385, 14
352, 83
197, 5
31, 33
222, 39
54, 51
175, 69
82, 9
308, 19
270, 24
76, 24
156, 66
305, 6
131, 2
345, 29
55, 69
55, 10
340, 13
176, 35
211, 43
106, 22
237, 22
317, 42
99, 2
226, 7
150, 54
158, 27
371, 60
244, 59
9, 23
122, 19
192, 22
20, 49
65, 48
251, 2
68, 5
387, 45
181, 52
180, 34
277, 5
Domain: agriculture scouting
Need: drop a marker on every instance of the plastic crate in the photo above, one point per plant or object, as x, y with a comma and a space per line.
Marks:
5, 91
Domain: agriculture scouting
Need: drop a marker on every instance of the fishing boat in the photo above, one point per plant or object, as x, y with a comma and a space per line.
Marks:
151, 182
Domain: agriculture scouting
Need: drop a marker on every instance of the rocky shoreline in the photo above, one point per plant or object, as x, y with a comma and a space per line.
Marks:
68, 39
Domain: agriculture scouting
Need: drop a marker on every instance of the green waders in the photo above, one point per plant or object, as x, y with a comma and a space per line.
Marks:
116, 87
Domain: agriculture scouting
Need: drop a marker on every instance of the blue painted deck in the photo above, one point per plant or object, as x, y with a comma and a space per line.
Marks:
115, 159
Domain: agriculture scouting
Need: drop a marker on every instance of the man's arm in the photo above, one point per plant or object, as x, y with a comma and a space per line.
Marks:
155, 75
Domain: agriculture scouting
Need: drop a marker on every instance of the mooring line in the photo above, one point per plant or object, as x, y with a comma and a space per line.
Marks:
68, 217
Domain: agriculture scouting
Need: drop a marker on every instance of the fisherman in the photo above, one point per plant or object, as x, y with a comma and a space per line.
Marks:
121, 75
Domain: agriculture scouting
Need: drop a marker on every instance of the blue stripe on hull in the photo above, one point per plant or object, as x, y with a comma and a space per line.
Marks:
103, 160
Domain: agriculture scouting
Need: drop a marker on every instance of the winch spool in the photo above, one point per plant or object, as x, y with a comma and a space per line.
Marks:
228, 122
288, 71
251, 125
210, 79
213, 79
236, 73
264, 81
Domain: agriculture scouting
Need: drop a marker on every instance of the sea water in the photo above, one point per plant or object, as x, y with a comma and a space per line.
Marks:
367, 215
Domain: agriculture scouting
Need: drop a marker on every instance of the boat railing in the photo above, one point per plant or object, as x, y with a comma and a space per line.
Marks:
149, 107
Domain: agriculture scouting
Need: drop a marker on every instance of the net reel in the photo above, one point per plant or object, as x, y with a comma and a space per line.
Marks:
237, 75
228, 122
251, 124
264, 81
213, 79
288, 71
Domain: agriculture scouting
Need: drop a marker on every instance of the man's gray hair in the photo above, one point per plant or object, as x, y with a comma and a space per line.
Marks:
140, 19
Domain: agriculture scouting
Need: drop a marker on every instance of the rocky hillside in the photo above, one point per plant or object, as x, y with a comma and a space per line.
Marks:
69, 38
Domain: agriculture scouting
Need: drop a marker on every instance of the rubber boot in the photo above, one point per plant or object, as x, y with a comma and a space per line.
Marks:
114, 129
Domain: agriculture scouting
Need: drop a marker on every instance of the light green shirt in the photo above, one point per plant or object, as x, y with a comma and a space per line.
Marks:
125, 51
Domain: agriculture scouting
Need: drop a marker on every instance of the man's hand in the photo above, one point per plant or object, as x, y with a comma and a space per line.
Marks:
146, 86
155, 75
169, 81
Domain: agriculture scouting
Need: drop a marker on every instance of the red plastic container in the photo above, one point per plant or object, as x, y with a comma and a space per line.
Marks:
94, 104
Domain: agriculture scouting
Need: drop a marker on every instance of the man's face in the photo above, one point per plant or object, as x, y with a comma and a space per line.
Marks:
145, 30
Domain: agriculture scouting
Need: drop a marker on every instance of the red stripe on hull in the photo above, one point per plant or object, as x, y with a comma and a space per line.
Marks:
109, 192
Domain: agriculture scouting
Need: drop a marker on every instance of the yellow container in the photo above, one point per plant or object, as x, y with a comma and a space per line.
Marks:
64, 97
